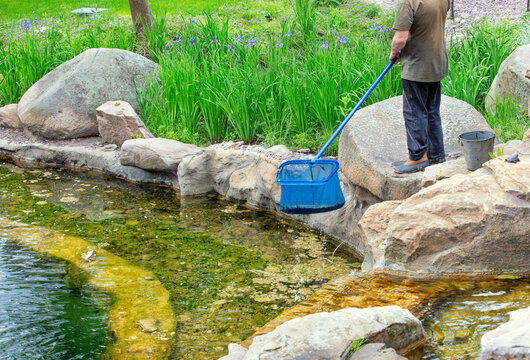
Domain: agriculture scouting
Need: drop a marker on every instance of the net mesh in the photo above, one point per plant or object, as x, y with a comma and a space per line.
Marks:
308, 172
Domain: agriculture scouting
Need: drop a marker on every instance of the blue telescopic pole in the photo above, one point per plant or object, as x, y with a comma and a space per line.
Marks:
354, 110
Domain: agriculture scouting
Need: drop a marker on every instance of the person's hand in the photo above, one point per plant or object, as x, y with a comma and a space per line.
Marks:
395, 55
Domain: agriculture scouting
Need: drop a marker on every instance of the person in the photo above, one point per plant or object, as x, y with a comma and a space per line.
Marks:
419, 43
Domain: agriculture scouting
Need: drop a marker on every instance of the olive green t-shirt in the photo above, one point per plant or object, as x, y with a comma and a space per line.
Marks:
424, 57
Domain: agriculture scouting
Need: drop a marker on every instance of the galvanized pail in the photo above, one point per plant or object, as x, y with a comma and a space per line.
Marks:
477, 145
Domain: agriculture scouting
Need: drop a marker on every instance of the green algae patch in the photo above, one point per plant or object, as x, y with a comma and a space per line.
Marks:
141, 318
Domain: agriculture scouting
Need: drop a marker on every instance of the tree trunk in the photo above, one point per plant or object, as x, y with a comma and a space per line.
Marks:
141, 16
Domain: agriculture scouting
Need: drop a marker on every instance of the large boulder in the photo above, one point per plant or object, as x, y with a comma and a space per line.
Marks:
511, 80
118, 122
374, 141
476, 222
9, 117
62, 104
510, 341
328, 335
156, 154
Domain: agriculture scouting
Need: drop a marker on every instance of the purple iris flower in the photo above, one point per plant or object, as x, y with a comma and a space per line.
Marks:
177, 40
94, 16
251, 42
288, 34
335, 32
214, 40
192, 42
230, 48
324, 45
262, 53
25, 25
279, 44
377, 28
341, 39
237, 38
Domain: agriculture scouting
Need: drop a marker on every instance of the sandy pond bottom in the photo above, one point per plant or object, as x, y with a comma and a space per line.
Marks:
229, 269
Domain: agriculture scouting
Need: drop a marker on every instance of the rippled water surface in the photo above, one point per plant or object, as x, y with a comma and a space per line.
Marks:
455, 323
41, 316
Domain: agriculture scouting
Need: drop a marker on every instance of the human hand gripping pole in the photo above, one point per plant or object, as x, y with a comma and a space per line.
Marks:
312, 185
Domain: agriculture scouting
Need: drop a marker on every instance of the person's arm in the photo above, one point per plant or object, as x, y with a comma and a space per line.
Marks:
398, 43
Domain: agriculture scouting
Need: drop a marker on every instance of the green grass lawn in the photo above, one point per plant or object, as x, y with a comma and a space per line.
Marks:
17, 10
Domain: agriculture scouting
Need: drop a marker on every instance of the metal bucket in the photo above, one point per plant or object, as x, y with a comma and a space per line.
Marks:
477, 147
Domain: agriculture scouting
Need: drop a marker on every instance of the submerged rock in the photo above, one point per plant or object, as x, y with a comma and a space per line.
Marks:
62, 104
329, 335
509, 341
375, 140
148, 325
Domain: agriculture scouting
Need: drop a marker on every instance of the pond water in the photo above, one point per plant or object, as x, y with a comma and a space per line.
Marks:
41, 315
456, 322
229, 269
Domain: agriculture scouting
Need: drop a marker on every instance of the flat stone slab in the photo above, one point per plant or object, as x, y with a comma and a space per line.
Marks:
86, 155
156, 154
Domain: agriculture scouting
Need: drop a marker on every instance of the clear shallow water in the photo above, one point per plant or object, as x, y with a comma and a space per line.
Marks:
455, 323
229, 269
41, 316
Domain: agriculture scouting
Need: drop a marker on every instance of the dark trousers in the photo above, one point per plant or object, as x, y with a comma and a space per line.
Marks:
421, 110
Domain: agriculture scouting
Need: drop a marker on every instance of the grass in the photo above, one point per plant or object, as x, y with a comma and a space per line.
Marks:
15, 11
356, 345
285, 76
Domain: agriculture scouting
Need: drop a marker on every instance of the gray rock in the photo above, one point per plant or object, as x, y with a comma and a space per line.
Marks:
374, 141
511, 79
87, 11
8, 117
117, 123
329, 335
156, 154
235, 352
510, 341
281, 151
376, 351
80, 156
461, 224
62, 104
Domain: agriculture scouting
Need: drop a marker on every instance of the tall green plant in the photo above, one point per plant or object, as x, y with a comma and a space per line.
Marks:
304, 16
